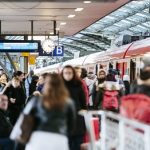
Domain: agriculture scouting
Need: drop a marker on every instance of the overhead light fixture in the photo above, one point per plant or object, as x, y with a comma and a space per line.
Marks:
51, 33
57, 29
87, 2
63, 23
71, 16
79, 9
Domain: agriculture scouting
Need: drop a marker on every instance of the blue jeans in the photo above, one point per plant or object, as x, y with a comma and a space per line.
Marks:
6, 144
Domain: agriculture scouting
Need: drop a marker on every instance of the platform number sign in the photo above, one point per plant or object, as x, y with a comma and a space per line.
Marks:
59, 51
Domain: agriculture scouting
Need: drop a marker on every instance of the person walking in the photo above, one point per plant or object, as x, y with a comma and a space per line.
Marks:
52, 115
74, 86
16, 98
5, 125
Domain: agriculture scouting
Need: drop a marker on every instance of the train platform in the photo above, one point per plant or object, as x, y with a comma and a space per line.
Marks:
75, 75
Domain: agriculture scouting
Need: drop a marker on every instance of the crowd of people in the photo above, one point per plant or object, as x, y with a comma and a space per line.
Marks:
47, 105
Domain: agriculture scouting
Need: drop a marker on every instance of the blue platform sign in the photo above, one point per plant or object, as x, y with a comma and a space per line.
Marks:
58, 51
19, 46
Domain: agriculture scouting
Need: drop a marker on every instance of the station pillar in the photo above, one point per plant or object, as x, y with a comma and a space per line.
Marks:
24, 64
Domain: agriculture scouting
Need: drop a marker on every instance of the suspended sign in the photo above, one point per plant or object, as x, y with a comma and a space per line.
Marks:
58, 51
19, 46
25, 54
31, 60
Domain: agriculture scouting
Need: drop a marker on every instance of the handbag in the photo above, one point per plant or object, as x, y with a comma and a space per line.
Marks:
25, 125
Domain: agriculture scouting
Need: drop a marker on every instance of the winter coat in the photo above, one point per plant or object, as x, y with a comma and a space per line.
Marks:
77, 95
5, 125
15, 108
55, 120
18, 94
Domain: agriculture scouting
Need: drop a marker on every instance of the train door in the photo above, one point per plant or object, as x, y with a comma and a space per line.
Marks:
132, 69
121, 67
110, 65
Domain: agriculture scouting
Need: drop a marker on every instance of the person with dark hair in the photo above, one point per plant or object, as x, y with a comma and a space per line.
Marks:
84, 85
16, 98
109, 90
101, 76
53, 117
20, 76
41, 82
74, 86
98, 87
110, 78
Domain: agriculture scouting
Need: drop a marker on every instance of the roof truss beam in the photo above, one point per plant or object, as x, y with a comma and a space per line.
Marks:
87, 43
97, 37
142, 7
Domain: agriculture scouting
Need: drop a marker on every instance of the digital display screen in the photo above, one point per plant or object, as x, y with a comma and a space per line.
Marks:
19, 46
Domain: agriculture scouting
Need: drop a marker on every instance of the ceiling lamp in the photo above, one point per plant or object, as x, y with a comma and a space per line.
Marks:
71, 16
79, 9
87, 2
63, 23
57, 29
51, 33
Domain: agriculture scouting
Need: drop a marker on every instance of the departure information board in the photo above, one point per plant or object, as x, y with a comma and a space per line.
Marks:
19, 46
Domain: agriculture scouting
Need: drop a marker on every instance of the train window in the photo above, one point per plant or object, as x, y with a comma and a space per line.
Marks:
101, 66
132, 70
110, 66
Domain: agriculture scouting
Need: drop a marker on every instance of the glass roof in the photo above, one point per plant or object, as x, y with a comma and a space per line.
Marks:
132, 18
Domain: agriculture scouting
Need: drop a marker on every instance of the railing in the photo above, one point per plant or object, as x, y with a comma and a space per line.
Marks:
117, 132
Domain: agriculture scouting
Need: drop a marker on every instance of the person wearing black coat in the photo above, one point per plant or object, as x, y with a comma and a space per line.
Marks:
16, 98
74, 86
5, 125
21, 77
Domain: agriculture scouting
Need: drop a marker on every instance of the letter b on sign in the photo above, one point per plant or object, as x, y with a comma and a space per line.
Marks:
59, 51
